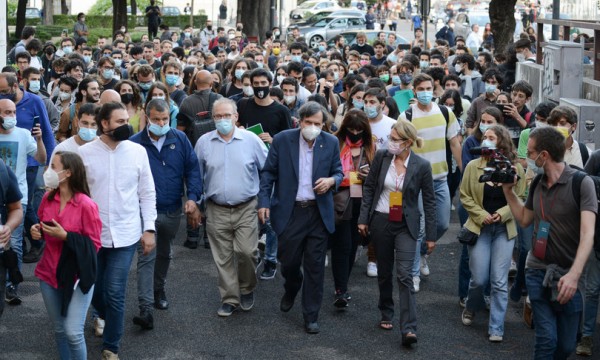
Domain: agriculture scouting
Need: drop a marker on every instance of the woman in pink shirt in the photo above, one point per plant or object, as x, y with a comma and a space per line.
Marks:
71, 225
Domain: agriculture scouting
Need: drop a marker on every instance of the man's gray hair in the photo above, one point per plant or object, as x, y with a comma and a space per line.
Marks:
311, 108
159, 105
225, 101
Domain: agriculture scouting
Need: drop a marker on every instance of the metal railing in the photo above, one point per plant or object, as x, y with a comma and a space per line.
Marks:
566, 26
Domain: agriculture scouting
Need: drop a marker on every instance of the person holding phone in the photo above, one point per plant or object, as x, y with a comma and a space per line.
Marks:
389, 204
70, 223
357, 149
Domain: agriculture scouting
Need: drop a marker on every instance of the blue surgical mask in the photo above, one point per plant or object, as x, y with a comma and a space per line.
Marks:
358, 104
424, 64
9, 122
490, 88
424, 97
34, 86
483, 128
297, 58
371, 111
159, 130
87, 134
67, 50
260, 65
171, 79
538, 170
238, 73
87, 59
488, 144
406, 78
321, 48
336, 75
392, 58
146, 85
224, 126
118, 62
396, 80
108, 74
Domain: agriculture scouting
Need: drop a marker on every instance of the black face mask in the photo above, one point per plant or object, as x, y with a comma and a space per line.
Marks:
126, 98
49, 51
239, 28
209, 27
121, 133
354, 138
261, 92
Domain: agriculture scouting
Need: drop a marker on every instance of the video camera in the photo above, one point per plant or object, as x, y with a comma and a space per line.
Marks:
499, 169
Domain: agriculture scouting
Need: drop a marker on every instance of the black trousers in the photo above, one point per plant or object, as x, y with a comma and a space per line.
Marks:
152, 30
343, 244
304, 243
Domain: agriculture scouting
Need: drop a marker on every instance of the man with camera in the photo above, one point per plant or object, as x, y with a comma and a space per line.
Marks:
562, 242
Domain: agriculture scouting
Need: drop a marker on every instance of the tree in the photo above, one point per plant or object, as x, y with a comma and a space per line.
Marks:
22, 5
48, 12
133, 7
119, 14
254, 14
64, 10
503, 22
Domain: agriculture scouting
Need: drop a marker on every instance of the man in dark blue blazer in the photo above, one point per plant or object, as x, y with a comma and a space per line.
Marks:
304, 167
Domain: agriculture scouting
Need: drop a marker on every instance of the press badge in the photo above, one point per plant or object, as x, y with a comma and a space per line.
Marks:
355, 185
541, 241
395, 206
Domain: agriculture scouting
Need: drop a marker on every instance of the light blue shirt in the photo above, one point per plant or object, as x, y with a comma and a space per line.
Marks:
305, 172
230, 170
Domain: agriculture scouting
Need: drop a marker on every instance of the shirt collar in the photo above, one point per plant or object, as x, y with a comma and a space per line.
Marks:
237, 134
405, 161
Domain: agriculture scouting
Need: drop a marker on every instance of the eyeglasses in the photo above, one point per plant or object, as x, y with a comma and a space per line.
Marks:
394, 140
222, 116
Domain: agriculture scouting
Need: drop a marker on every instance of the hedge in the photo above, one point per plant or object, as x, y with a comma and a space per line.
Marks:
98, 21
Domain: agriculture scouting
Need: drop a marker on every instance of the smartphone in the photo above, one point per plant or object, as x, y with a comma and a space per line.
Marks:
501, 107
404, 46
65, 31
48, 223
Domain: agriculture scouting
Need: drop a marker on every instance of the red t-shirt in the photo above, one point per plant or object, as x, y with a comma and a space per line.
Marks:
80, 215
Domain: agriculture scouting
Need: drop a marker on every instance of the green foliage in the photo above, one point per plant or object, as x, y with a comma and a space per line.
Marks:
11, 7
102, 6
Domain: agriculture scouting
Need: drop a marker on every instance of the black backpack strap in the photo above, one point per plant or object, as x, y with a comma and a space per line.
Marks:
408, 114
534, 183
444, 111
585, 155
576, 186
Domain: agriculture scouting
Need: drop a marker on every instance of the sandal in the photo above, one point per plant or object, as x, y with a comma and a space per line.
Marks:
386, 325
409, 339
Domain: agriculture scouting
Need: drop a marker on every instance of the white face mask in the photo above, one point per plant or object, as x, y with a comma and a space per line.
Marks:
311, 132
280, 78
64, 96
51, 179
521, 57
248, 90
289, 99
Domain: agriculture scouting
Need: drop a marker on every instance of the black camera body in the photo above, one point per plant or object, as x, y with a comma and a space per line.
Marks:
499, 169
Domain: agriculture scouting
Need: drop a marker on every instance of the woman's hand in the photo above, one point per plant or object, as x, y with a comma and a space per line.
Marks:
35, 231
55, 230
496, 218
363, 230
430, 246
489, 219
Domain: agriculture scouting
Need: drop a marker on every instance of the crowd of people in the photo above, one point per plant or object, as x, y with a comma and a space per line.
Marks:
277, 153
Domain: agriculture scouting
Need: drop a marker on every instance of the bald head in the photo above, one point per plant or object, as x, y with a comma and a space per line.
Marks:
203, 80
109, 96
7, 105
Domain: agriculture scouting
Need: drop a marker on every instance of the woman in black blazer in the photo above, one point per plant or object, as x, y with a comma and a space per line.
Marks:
390, 210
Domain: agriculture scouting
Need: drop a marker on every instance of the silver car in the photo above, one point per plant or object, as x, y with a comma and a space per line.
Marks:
327, 28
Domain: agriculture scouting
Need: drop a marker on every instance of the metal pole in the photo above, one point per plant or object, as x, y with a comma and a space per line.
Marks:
3, 36
192, 16
556, 16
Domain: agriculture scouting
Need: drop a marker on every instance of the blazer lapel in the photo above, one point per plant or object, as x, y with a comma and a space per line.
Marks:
295, 153
385, 166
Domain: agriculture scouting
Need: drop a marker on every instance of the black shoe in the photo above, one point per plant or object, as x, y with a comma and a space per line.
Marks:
269, 271
287, 302
11, 296
190, 244
33, 255
312, 327
340, 301
160, 300
408, 340
247, 301
226, 310
145, 320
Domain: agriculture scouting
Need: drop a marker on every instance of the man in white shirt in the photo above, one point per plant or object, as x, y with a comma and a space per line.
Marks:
564, 119
87, 130
121, 183
381, 125
473, 40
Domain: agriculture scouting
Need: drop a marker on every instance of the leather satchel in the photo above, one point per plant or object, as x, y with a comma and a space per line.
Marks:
467, 237
341, 202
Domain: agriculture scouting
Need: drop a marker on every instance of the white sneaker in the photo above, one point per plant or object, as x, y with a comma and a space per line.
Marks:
424, 266
98, 327
417, 283
496, 338
371, 269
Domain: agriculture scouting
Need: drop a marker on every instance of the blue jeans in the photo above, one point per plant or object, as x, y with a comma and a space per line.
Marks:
68, 331
442, 209
35, 192
16, 243
489, 262
109, 294
556, 325
271, 243
592, 291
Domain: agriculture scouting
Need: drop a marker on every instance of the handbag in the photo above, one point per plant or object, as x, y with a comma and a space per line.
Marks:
467, 237
341, 202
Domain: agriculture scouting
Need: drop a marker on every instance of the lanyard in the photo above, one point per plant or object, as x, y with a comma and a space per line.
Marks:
542, 204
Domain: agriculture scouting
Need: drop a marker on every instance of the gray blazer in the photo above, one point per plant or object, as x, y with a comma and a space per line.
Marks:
418, 179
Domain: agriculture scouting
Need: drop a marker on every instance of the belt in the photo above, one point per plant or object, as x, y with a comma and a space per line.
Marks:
306, 203
227, 206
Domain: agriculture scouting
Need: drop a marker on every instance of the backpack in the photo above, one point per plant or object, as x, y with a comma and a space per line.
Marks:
585, 154
203, 122
576, 188
11, 56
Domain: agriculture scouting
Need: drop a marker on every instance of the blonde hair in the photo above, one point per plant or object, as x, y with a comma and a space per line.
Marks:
407, 130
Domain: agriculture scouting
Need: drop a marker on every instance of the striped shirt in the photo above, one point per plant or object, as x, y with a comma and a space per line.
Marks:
431, 126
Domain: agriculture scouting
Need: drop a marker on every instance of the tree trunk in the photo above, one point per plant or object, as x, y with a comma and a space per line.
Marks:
256, 15
22, 5
119, 14
64, 10
503, 22
133, 7
48, 12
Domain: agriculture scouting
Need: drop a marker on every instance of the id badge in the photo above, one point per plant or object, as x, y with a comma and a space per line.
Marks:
541, 241
355, 185
395, 206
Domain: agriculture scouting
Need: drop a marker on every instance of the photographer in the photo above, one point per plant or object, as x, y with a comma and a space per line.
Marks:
490, 218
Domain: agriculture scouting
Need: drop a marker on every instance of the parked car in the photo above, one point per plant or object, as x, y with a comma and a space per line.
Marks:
32, 13
170, 11
329, 27
360, 5
329, 13
308, 8
350, 37
464, 21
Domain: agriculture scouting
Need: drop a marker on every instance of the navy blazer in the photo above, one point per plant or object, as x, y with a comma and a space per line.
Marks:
418, 179
282, 168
